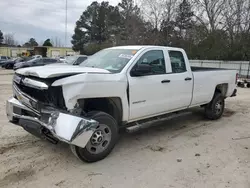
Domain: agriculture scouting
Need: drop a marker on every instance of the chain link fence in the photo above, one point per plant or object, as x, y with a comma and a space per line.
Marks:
243, 67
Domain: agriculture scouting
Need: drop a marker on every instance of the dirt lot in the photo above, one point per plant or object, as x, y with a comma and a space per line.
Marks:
186, 152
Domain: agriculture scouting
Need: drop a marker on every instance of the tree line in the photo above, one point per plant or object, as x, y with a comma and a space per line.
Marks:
206, 29
9, 40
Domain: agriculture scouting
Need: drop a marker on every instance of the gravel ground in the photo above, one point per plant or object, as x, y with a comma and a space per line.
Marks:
184, 152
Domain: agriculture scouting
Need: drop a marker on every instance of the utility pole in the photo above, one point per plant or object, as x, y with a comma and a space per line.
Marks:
66, 22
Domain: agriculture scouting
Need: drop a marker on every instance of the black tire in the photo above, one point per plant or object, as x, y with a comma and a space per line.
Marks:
85, 154
7, 66
215, 108
239, 84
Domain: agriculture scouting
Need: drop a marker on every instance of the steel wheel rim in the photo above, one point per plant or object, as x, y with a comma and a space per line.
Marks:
218, 107
100, 139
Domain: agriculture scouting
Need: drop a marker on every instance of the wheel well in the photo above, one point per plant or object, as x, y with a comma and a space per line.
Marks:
222, 88
112, 106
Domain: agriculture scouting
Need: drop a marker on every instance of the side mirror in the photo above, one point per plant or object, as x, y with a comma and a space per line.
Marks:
141, 70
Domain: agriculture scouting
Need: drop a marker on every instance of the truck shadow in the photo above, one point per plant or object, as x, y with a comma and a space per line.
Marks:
192, 125
153, 138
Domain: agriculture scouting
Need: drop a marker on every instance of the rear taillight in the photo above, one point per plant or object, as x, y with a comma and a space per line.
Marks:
236, 79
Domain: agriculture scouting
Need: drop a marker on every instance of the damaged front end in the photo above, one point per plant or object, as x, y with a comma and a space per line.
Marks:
47, 122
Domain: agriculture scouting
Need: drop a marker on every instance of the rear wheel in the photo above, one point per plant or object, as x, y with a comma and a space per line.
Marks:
215, 108
102, 141
8, 66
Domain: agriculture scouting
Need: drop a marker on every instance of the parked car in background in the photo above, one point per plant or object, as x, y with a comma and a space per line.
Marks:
36, 62
62, 58
10, 63
37, 56
4, 58
75, 60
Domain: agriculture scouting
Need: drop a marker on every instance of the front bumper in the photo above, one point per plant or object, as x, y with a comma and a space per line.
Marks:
64, 127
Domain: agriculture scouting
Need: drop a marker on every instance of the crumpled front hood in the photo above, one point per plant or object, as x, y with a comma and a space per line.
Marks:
58, 70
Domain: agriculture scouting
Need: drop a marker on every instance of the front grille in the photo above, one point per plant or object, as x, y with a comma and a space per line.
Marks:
53, 96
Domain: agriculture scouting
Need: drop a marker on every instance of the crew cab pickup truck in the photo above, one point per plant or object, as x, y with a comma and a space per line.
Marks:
116, 88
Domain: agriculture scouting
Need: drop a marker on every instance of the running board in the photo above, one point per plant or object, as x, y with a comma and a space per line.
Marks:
150, 122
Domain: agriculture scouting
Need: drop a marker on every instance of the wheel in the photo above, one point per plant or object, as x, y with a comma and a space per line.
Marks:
248, 85
8, 66
215, 108
102, 141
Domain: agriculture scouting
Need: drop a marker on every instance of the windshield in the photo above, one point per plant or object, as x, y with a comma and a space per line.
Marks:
70, 59
113, 60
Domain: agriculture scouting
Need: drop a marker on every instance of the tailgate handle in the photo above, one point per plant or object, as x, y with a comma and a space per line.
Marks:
188, 79
165, 81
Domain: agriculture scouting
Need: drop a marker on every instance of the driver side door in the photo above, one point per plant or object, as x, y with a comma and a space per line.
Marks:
147, 93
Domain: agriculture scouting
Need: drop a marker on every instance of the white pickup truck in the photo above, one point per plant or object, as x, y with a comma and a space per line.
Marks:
119, 87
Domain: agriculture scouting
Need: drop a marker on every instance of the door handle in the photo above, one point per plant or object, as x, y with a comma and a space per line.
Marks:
188, 79
165, 81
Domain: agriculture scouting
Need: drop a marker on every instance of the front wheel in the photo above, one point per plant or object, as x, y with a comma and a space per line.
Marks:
215, 108
102, 141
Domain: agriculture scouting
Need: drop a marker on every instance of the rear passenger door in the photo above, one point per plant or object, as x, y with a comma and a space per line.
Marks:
180, 87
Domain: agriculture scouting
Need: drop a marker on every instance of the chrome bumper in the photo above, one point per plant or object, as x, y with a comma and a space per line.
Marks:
64, 127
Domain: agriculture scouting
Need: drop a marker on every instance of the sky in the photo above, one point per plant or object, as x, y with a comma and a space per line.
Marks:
41, 19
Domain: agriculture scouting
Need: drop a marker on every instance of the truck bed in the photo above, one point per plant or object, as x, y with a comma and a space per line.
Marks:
199, 69
206, 79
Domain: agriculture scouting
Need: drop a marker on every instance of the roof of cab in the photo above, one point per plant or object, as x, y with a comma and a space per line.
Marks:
134, 47
139, 47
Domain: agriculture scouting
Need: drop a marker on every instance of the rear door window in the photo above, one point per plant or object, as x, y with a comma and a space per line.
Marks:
177, 62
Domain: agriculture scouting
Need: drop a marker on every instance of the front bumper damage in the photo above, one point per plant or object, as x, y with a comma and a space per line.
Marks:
62, 126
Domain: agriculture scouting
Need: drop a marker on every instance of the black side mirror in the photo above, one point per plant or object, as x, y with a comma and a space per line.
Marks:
141, 70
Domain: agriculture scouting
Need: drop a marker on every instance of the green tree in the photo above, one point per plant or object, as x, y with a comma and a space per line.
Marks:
179, 30
210, 30
1, 37
132, 26
184, 17
47, 43
96, 25
167, 32
31, 43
